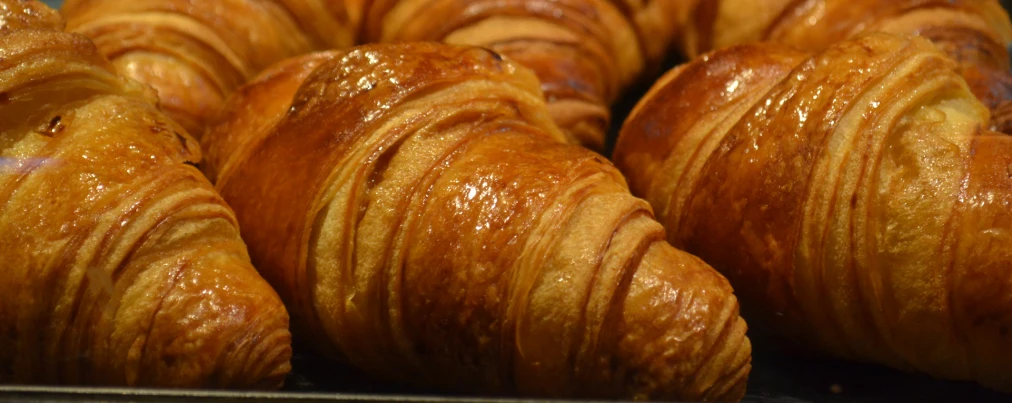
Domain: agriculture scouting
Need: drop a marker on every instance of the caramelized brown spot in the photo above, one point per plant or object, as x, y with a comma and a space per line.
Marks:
55, 126
180, 138
1001, 118
494, 54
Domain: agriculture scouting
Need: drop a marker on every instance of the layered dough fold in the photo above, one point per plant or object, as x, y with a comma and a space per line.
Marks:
122, 265
974, 33
854, 198
195, 53
416, 208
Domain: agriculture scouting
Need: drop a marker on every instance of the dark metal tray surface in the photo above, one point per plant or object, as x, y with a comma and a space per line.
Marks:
776, 378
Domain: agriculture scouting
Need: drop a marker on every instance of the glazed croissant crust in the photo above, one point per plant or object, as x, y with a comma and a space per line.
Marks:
853, 198
584, 52
195, 53
122, 265
975, 33
417, 210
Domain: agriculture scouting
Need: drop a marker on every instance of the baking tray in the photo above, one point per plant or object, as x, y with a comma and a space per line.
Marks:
777, 377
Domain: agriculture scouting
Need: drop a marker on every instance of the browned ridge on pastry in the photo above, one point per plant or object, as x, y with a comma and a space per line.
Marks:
585, 52
122, 265
196, 52
975, 33
853, 198
415, 207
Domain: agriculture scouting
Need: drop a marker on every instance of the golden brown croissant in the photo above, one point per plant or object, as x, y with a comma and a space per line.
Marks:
973, 32
122, 266
416, 209
852, 198
195, 53
585, 52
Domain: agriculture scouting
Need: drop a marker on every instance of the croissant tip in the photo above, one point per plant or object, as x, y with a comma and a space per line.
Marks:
264, 357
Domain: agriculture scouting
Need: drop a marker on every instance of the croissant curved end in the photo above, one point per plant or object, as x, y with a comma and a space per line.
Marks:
214, 330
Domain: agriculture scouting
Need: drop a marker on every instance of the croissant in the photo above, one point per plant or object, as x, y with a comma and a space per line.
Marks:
853, 198
122, 266
585, 52
195, 53
418, 212
973, 32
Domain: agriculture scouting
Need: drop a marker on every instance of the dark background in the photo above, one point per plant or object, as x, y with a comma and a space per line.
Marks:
776, 377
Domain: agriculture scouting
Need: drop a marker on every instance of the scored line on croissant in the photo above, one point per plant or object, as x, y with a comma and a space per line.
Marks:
853, 198
416, 209
122, 265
